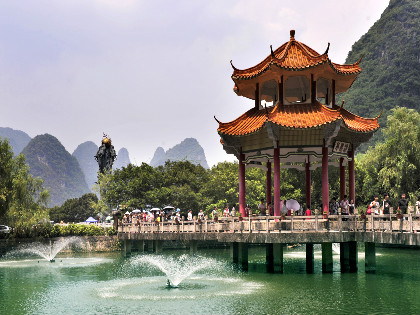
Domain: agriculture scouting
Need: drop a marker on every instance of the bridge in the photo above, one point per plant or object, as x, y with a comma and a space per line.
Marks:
276, 232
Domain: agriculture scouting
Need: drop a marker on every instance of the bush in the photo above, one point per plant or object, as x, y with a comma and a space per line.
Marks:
48, 230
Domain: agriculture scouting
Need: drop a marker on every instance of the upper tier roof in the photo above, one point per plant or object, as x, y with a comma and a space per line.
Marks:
296, 116
294, 56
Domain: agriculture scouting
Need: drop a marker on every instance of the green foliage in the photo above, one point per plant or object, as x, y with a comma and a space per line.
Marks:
47, 230
22, 197
393, 166
76, 209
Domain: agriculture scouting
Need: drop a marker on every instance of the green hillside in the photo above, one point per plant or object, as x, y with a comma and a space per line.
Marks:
49, 160
391, 64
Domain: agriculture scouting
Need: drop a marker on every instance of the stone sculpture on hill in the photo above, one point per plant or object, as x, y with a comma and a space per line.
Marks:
106, 155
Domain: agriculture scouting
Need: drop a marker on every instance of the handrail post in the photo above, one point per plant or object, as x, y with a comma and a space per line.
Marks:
249, 224
267, 222
371, 222
291, 223
316, 223
410, 221
340, 222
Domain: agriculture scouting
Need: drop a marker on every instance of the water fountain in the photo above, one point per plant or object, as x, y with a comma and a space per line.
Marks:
177, 268
46, 251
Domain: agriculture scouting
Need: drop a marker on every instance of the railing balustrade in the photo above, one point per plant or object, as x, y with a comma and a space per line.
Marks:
408, 223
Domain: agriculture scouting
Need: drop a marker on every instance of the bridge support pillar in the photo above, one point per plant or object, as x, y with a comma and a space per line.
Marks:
353, 256
344, 257
158, 246
309, 258
327, 258
127, 248
370, 257
274, 257
149, 246
234, 253
243, 256
193, 247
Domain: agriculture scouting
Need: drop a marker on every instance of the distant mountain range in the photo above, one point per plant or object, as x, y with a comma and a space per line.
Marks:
188, 150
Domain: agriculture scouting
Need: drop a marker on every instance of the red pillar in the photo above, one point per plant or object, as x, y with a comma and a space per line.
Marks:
268, 184
277, 182
325, 193
308, 184
342, 179
241, 185
352, 190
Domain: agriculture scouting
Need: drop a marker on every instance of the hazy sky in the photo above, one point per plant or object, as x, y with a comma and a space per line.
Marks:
151, 73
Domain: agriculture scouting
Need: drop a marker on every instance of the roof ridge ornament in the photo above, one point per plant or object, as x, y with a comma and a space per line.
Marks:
233, 66
216, 119
358, 61
342, 104
272, 53
328, 48
292, 34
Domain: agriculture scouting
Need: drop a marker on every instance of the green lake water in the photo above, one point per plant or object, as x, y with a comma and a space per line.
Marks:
110, 284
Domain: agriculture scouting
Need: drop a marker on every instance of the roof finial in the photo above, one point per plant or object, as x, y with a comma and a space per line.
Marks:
272, 53
328, 48
292, 34
216, 119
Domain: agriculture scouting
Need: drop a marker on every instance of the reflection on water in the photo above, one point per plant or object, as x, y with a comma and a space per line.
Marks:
109, 284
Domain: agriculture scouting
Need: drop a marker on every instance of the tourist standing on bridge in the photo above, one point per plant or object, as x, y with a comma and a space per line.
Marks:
403, 205
374, 206
344, 205
351, 206
418, 205
226, 212
334, 206
214, 214
233, 211
190, 216
201, 215
386, 205
261, 207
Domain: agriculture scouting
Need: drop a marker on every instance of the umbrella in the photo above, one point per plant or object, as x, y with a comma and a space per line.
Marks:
136, 211
109, 218
155, 209
168, 208
91, 220
127, 212
292, 204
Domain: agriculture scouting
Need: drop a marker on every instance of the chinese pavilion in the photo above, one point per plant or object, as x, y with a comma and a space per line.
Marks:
300, 125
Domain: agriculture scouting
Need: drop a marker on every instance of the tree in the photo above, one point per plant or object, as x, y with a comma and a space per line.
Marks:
393, 166
22, 197
75, 209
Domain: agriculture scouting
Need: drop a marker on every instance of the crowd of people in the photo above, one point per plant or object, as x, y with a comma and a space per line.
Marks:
344, 206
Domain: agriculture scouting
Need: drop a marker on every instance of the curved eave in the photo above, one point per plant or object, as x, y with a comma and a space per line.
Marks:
302, 116
357, 123
337, 68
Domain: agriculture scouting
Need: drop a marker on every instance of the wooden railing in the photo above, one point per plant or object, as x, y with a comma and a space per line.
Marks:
409, 223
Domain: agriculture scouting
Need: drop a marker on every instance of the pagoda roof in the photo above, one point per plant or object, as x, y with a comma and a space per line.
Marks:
296, 116
294, 56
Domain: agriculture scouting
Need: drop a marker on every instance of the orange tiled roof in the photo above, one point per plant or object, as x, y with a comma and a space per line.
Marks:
294, 55
296, 116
